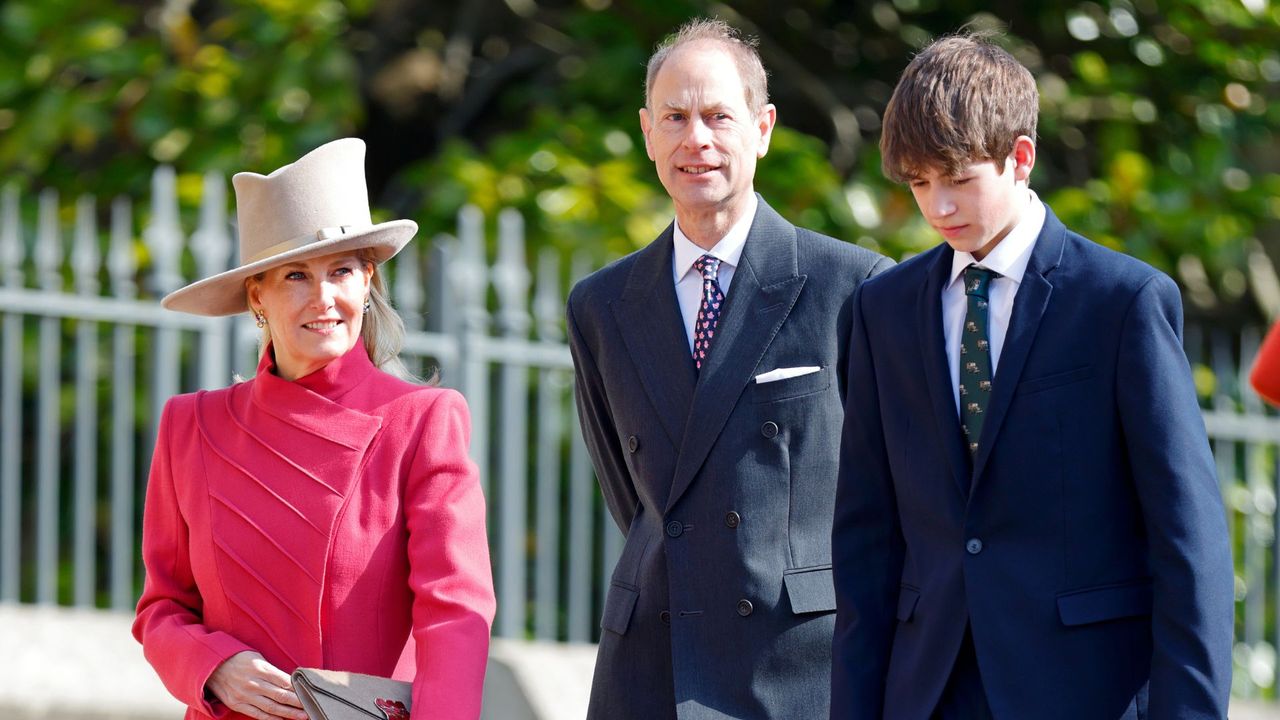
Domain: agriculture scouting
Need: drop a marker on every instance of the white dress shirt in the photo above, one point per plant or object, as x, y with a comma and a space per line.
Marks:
688, 279
1009, 258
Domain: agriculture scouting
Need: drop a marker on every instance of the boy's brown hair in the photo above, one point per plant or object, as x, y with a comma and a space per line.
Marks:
961, 99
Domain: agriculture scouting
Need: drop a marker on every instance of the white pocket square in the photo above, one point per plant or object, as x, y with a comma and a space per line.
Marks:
784, 373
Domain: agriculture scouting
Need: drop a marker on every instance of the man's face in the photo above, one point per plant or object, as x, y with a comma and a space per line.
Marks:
699, 131
976, 208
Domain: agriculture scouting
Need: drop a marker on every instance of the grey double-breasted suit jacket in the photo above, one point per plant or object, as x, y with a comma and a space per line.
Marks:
721, 603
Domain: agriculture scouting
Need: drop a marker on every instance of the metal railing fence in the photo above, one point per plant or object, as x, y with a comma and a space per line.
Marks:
86, 366
87, 359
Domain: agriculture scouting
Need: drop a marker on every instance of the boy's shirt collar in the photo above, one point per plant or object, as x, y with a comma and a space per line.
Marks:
1011, 255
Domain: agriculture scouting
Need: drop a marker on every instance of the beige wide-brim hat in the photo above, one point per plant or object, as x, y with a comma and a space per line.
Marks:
316, 206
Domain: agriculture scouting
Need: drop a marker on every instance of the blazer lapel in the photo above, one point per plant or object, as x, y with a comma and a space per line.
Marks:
649, 321
1028, 308
937, 373
765, 287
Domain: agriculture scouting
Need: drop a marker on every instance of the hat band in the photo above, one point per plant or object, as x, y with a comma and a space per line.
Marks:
297, 243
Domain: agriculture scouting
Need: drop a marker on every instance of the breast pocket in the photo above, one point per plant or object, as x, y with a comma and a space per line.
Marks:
793, 387
1055, 380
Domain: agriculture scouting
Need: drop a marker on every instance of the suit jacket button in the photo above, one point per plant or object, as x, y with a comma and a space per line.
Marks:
745, 607
674, 528
633, 443
769, 429
973, 546
732, 519
665, 617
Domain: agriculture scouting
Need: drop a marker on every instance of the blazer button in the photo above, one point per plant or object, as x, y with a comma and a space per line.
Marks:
665, 617
633, 443
732, 519
674, 528
745, 607
769, 429
973, 546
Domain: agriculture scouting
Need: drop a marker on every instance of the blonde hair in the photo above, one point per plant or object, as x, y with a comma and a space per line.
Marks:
743, 49
382, 328
961, 100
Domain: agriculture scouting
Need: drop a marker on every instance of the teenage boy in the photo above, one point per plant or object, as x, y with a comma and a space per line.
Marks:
1028, 523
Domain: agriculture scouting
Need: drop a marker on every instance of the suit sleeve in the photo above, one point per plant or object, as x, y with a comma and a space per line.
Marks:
449, 571
866, 545
169, 621
1173, 471
842, 379
598, 429
1265, 376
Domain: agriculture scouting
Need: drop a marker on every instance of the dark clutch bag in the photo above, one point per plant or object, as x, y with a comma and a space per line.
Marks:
334, 695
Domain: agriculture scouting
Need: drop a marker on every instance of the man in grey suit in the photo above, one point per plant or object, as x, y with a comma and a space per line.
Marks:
710, 372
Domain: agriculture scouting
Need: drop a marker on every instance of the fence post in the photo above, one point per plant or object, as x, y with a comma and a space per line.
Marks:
48, 257
86, 260
549, 313
469, 280
582, 517
163, 236
121, 267
211, 246
11, 254
511, 281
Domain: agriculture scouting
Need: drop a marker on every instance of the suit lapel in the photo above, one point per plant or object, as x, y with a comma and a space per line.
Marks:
937, 372
1028, 307
765, 287
648, 317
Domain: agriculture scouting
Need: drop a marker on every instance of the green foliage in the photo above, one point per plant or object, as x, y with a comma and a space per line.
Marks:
94, 94
1156, 135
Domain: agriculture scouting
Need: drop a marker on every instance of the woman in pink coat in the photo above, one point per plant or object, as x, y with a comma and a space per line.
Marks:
324, 513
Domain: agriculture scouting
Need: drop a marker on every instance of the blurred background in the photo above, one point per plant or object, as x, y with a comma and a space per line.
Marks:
508, 130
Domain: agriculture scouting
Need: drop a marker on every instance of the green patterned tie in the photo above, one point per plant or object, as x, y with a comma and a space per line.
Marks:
975, 355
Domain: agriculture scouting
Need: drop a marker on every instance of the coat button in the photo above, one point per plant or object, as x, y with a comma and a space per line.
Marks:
633, 443
769, 429
665, 617
973, 546
745, 607
674, 528
732, 519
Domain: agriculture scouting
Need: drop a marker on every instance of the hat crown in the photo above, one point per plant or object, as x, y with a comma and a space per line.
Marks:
324, 190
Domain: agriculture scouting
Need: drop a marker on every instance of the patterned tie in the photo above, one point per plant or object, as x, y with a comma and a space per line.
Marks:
975, 355
704, 329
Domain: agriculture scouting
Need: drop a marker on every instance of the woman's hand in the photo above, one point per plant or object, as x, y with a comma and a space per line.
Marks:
248, 684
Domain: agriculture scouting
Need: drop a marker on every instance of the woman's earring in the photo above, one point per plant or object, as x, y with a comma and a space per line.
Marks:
366, 305
260, 318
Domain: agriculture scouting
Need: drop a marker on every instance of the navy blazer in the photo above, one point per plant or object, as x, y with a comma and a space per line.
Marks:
721, 605
1088, 546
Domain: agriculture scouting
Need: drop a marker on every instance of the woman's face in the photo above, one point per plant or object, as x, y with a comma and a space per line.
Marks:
314, 309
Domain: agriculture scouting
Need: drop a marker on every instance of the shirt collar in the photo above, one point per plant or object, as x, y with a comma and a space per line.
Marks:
1011, 255
728, 250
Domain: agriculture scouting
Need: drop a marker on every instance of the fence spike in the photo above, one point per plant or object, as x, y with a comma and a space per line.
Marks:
163, 233
86, 258
10, 239
211, 242
407, 290
48, 250
120, 261
547, 307
511, 278
469, 276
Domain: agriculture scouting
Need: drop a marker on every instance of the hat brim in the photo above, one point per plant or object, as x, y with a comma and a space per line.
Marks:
224, 294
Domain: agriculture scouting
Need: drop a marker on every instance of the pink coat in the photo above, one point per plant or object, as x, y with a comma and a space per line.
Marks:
334, 522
